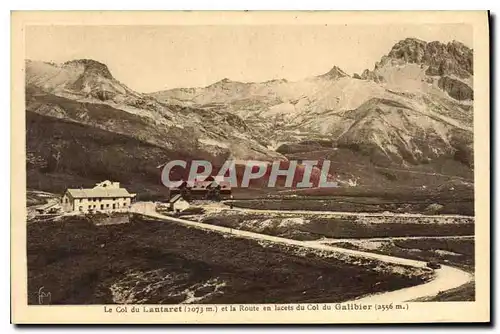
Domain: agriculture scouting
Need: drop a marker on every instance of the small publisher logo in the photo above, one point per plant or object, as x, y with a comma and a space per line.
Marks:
44, 298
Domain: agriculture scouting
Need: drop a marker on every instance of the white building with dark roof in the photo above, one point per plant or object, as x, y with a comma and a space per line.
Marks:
105, 196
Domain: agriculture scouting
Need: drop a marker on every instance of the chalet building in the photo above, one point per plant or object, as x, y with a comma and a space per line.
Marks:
177, 204
105, 196
208, 189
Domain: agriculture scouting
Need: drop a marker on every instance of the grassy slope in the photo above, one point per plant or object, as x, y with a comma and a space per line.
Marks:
346, 227
422, 249
427, 249
466, 292
377, 203
375, 172
89, 155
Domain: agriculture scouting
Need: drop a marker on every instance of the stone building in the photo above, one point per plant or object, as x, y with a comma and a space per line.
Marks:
105, 196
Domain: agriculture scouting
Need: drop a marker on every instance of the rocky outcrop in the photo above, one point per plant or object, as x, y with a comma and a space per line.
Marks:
91, 67
439, 59
411, 50
453, 58
456, 88
371, 75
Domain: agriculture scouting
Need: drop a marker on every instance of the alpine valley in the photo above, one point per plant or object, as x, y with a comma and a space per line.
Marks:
405, 125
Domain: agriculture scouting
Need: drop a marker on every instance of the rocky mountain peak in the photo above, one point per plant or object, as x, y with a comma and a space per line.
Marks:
412, 50
91, 67
222, 82
276, 81
335, 73
453, 58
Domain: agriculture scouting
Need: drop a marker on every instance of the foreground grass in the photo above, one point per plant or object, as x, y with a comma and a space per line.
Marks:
466, 292
150, 261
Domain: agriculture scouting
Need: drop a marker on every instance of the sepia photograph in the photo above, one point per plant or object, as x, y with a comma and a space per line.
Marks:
224, 169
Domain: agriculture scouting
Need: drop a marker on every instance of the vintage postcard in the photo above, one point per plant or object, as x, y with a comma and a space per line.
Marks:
250, 167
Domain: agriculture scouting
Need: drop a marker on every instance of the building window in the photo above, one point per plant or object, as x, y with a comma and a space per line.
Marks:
80, 208
107, 205
102, 206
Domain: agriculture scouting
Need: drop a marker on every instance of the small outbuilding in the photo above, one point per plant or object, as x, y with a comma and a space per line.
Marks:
177, 203
208, 188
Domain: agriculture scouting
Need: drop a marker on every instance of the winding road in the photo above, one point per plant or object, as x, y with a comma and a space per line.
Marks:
446, 278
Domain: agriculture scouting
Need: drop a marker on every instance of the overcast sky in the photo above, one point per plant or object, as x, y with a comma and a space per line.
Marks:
152, 58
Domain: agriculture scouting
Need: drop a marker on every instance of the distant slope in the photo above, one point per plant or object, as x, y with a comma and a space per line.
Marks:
63, 154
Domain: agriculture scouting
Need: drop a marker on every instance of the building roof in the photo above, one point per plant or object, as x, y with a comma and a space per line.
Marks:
201, 185
48, 206
175, 198
99, 192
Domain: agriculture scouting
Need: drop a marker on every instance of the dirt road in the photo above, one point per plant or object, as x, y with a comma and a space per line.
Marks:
446, 277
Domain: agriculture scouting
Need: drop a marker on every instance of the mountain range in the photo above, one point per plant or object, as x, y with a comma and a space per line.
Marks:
408, 121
